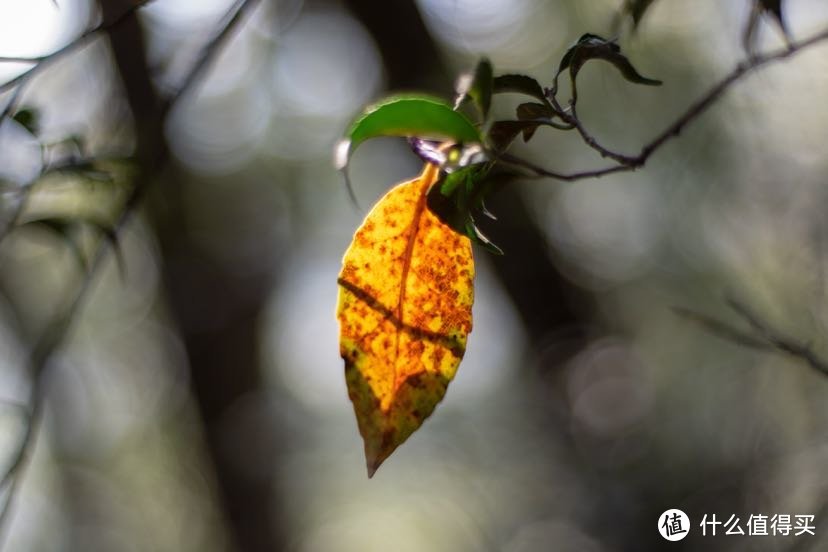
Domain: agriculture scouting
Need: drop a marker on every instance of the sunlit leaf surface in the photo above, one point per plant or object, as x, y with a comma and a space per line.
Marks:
405, 300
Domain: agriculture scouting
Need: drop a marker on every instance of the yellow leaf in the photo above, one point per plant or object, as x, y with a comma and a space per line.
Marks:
405, 300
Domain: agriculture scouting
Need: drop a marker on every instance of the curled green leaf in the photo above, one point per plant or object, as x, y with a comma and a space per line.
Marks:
419, 116
591, 46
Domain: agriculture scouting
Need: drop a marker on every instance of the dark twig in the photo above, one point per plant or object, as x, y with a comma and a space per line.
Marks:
724, 330
208, 54
632, 162
57, 333
540, 172
779, 341
761, 335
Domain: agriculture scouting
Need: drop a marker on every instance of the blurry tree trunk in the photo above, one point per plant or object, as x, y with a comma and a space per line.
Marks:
218, 317
223, 359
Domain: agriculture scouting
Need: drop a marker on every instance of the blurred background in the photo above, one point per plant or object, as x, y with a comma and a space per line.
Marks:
199, 402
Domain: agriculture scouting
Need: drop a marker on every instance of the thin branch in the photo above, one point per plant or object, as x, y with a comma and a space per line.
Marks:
724, 330
44, 61
57, 333
761, 336
238, 11
18, 83
780, 341
540, 172
631, 162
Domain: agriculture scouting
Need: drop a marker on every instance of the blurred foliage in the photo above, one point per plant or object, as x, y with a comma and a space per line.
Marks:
636, 9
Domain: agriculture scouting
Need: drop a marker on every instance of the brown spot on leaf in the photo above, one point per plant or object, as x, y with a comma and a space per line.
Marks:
405, 273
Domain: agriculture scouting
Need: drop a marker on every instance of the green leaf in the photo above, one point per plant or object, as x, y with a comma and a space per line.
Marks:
519, 84
407, 115
591, 46
453, 181
28, 118
456, 196
477, 86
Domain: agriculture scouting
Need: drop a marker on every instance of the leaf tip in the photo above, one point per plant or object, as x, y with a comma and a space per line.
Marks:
374, 457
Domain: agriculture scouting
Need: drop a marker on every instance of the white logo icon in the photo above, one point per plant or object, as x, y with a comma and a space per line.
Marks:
673, 525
